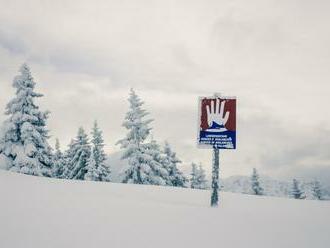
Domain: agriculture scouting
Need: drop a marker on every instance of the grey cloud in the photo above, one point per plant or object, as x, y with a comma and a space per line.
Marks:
12, 42
299, 148
313, 172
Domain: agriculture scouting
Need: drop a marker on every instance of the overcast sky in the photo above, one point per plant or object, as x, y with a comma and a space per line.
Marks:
273, 55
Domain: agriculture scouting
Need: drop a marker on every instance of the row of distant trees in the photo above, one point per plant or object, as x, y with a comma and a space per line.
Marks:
25, 148
296, 191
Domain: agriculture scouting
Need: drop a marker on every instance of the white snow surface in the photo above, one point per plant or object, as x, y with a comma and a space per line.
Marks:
43, 212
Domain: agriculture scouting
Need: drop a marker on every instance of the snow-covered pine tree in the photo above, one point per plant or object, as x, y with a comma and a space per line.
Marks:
92, 173
137, 150
25, 137
68, 157
255, 184
159, 175
77, 156
198, 177
59, 162
97, 170
194, 176
202, 182
296, 192
176, 177
317, 190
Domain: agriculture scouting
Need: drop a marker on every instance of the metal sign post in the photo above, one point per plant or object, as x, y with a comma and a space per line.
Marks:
215, 178
217, 130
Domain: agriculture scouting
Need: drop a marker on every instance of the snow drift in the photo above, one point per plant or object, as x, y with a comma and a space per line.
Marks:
43, 212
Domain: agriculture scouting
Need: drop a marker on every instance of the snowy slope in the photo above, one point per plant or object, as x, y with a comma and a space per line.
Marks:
42, 212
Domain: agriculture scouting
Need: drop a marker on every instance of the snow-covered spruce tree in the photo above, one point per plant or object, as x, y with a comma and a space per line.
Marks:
67, 157
198, 177
25, 137
317, 190
58, 161
194, 176
202, 182
143, 168
255, 184
77, 156
155, 159
296, 192
92, 173
176, 177
97, 170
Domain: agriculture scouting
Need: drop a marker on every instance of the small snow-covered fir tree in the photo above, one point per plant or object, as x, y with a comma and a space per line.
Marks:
92, 173
154, 159
142, 169
296, 192
202, 182
67, 157
176, 177
25, 137
77, 156
317, 190
59, 162
194, 176
255, 184
97, 170
198, 177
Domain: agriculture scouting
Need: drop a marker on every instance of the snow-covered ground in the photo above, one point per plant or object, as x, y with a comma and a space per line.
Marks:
42, 212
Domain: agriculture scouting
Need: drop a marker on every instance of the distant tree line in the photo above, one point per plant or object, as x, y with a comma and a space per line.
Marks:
296, 192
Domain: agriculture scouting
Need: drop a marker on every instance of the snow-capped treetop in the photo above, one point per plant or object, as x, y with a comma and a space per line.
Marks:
134, 122
23, 101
